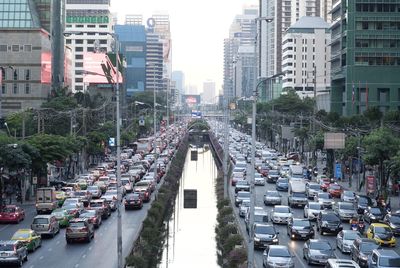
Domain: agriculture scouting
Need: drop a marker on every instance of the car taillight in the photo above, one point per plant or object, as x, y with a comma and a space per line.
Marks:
85, 229
69, 230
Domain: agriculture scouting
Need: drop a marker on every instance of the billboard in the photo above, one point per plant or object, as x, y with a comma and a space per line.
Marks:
93, 72
45, 70
191, 100
334, 140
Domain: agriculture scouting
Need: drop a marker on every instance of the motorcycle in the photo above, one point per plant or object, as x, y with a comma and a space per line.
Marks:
354, 226
361, 227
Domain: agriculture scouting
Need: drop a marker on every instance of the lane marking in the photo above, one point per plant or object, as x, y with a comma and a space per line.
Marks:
84, 256
4, 227
41, 257
90, 248
77, 265
50, 249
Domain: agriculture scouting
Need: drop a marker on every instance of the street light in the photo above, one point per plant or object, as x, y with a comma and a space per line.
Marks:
118, 138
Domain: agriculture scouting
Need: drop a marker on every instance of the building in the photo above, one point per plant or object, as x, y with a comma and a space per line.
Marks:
132, 40
25, 57
43, 8
92, 18
208, 92
306, 55
178, 80
154, 61
134, 19
284, 14
163, 29
365, 58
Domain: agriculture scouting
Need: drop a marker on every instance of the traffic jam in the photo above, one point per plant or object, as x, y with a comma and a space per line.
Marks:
301, 216
81, 206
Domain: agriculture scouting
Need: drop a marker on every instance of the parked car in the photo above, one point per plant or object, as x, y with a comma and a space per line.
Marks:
312, 209
13, 252
382, 258
300, 229
272, 198
361, 249
133, 200
276, 256
45, 225
12, 213
373, 214
264, 235
328, 222
281, 214
29, 238
382, 234
345, 239
317, 251
79, 229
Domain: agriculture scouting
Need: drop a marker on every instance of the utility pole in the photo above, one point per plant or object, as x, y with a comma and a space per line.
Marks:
38, 122
315, 112
57, 45
23, 125
226, 146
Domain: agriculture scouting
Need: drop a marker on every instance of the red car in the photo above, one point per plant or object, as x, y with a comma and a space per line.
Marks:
324, 184
12, 213
335, 190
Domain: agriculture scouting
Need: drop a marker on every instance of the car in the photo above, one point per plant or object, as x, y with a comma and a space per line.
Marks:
281, 214
73, 206
344, 240
393, 220
84, 195
62, 216
324, 184
345, 210
339, 263
93, 216
95, 191
127, 184
79, 229
300, 229
361, 249
242, 185
272, 198
29, 238
273, 175
13, 252
133, 200
348, 196
260, 216
382, 234
382, 258
363, 202
317, 251
12, 213
373, 214
282, 184
102, 206
264, 235
243, 207
237, 176
60, 197
335, 190
312, 189
325, 199
259, 179
264, 170
276, 256
240, 196
312, 209
45, 225
328, 222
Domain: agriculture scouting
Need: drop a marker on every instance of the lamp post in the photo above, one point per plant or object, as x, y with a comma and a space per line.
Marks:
153, 65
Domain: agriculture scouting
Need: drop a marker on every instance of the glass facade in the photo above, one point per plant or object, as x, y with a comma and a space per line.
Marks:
43, 7
18, 14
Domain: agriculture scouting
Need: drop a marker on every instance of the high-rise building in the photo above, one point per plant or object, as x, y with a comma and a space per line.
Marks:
132, 40
365, 58
178, 79
306, 54
25, 56
134, 19
154, 61
92, 18
43, 8
208, 92
163, 29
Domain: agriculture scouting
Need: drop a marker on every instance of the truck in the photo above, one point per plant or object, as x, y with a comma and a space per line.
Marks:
296, 172
297, 193
46, 200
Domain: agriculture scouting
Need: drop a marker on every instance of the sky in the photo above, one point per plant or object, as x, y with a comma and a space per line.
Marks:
198, 29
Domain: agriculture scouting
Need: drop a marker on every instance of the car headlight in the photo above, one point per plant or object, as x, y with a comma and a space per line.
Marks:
363, 257
256, 239
373, 217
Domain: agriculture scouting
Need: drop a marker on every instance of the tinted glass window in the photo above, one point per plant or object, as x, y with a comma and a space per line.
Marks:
77, 224
264, 229
279, 252
320, 245
6, 247
40, 221
389, 262
282, 209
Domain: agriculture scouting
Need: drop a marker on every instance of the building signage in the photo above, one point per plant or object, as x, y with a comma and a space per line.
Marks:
87, 19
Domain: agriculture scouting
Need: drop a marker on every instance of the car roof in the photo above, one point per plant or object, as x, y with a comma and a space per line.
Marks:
387, 252
278, 247
319, 240
24, 231
365, 240
379, 225
43, 216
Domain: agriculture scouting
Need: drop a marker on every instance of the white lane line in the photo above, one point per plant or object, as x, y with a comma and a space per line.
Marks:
90, 248
76, 265
4, 227
105, 228
298, 257
50, 249
31, 266
84, 256
41, 257
101, 234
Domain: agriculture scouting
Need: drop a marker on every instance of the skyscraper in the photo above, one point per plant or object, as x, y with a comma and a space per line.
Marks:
178, 78
208, 92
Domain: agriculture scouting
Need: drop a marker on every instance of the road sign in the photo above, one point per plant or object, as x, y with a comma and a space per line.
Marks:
111, 142
338, 171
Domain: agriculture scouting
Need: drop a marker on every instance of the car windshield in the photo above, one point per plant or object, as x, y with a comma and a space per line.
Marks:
272, 193
348, 194
363, 200
21, 235
58, 213
8, 210
315, 206
243, 194
260, 218
389, 262
40, 221
367, 248
241, 182
69, 206
89, 213
395, 219
376, 211
320, 245
330, 217
282, 210
314, 186
96, 205
324, 196
261, 229
124, 182
6, 247
279, 252
346, 206
302, 223
301, 195
273, 172
335, 187
78, 224
93, 188
350, 235
382, 230
282, 180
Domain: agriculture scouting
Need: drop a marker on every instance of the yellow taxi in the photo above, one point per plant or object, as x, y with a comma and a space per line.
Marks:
382, 234
61, 196
29, 238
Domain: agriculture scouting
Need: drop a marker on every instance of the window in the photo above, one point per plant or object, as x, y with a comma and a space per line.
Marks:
4, 88
27, 88
79, 41
15, 48
79, 57
27, 74
15, 88
3, 74
365, 25
27, 48
78, 80
79, 64
68, 41
78, 49
15, 74
3, 48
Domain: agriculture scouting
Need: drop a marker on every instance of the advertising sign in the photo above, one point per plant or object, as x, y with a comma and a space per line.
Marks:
338, 171
371, 184
93, 72
334, 140
87, 19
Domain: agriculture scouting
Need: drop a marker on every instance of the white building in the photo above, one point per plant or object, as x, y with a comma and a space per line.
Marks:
208, 92
305, 57
93, 20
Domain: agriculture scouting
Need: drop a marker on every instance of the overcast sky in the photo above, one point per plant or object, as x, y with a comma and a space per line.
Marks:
198, 29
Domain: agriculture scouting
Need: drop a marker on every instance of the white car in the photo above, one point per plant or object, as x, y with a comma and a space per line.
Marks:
281, 214
259, 179
312, 189
345, 239
312, 209
348, 196
243, 207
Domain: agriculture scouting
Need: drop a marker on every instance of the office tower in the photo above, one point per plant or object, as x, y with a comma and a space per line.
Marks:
178, 78
134, 19
208, 92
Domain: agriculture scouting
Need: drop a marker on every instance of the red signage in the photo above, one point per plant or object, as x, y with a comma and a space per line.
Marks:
371, 184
